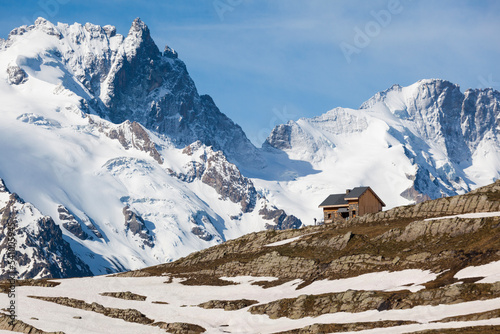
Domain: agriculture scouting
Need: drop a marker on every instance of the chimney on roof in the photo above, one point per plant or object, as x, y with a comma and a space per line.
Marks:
347, 191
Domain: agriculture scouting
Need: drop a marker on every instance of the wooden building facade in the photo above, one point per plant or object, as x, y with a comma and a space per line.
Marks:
355, 202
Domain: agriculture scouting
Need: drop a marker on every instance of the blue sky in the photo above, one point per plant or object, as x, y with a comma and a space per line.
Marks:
265, 62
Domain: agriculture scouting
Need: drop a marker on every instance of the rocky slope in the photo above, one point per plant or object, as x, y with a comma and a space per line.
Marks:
444, 236
432, 267
38, 248
402, 237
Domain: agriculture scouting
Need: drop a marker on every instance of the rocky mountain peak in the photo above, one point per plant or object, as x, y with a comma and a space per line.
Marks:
110, 30
447, 138
441, 93
441, 112
138, 26
436, 82
47, 27
139, 41
40, 21
40, 24
128, 78
429, 87
424, 92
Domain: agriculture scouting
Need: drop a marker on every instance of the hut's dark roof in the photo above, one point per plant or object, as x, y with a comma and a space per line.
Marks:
341, 199
356, 193
337, 199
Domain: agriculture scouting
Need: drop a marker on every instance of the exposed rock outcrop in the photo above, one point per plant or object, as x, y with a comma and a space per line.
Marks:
20, 326
16, 75
180, 327
348, 327
130, 135
129, 315
360, 301
33, 243
434, 228
71, 224
42, 282
202, 233
228, 305
127, 295
473, 317
281, 220
136, 225
213, 169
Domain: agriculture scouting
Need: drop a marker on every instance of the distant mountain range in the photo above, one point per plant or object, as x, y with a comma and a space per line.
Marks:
112, 161
410, 144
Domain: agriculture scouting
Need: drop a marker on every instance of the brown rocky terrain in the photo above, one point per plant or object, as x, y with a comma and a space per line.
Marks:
129, 315
359, 301
127, 295
228, 305
20, 327
466, 330
427, 236
397, 239
180, 328
336, 328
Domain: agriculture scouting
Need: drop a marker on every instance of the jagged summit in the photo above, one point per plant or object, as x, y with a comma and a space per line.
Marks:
139, 40
433, 139
139, 26
127, 78
420, 90
97, 132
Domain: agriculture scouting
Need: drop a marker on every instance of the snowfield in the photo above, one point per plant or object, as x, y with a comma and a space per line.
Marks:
469, 215
286, 241
490, 272
182, 301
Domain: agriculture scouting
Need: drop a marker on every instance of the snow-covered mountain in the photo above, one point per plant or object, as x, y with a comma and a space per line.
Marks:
123, 163
123, 78
108, 142
409, 144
